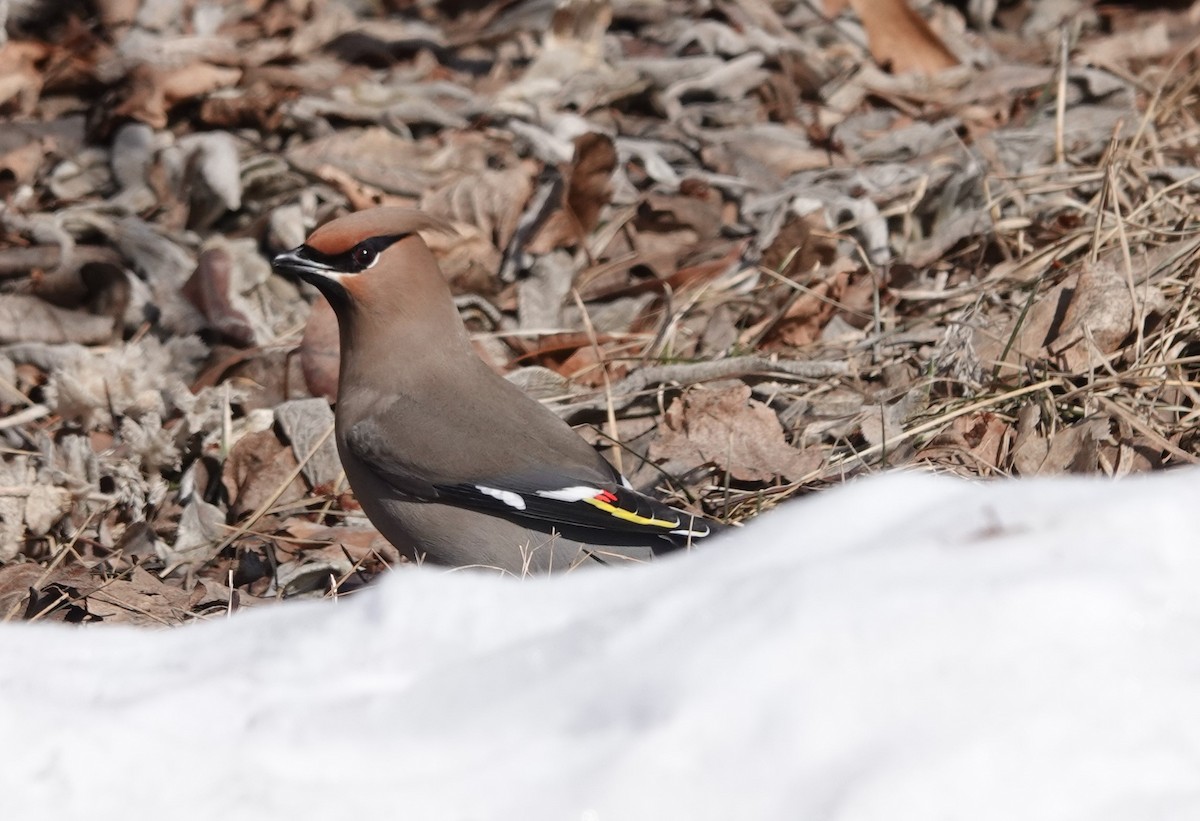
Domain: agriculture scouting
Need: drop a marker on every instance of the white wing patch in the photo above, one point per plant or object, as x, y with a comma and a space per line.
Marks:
509, 498
569, 494
689, 532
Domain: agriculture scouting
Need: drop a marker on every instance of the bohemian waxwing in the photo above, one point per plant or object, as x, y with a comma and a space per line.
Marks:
447, 458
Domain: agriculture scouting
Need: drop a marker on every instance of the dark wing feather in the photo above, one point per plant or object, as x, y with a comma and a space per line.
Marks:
598, 514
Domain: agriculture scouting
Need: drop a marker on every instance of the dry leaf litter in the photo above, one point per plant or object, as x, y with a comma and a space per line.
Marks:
751, 248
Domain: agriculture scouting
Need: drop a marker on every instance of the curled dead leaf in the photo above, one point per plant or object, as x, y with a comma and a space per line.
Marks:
77, 594
900, 38
491, 201
1073, 449
318, 556
729, 429
20, 76
978, 440
587, 190
308, 426
151, 92
258, 469
1104, 309
210, 289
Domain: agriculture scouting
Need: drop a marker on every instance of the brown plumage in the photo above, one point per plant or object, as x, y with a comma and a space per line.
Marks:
448, 459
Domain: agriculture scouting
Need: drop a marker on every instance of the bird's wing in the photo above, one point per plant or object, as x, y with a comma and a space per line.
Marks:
606, 512
370, 445
585, 504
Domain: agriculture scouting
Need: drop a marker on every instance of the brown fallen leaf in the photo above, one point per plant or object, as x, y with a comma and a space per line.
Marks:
728, 429
590, 367
141, 598
151, 92
258, 465
319, 557
898, 37
589, 187
77, 594
586, 192
196, 80
1021, 338
1074, 449
258, 106
697, 207
469, 258
20, 261
15, 582
491, 201
374, 158
550, 350
661, 251
811, 309
208, 289
707, 261
980, 437
351, 549
1101, 315
800, 246
20, 75
308, 426
360, 195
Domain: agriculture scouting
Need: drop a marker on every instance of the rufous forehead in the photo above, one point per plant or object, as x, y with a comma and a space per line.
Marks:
342, 234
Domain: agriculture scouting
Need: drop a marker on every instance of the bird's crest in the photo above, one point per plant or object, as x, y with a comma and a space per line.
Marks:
342, 234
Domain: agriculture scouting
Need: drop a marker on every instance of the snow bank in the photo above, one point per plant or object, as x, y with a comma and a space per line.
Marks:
904, 648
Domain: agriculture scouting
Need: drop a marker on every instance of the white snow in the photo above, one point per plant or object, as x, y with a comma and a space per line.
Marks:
903, 648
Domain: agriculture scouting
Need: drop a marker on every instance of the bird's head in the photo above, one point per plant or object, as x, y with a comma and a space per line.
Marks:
372, 258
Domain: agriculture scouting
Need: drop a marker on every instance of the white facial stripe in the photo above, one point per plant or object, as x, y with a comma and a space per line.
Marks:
569, 494
314, 265
321, 269
509, 498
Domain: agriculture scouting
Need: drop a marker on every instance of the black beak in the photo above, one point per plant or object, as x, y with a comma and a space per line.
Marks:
298, 261
308, 265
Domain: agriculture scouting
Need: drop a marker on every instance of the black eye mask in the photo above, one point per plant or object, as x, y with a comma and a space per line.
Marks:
358, 258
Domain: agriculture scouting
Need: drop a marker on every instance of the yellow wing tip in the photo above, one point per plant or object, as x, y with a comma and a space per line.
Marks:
629, 516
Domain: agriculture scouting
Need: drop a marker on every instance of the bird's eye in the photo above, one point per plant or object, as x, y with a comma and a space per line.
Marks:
365, 256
